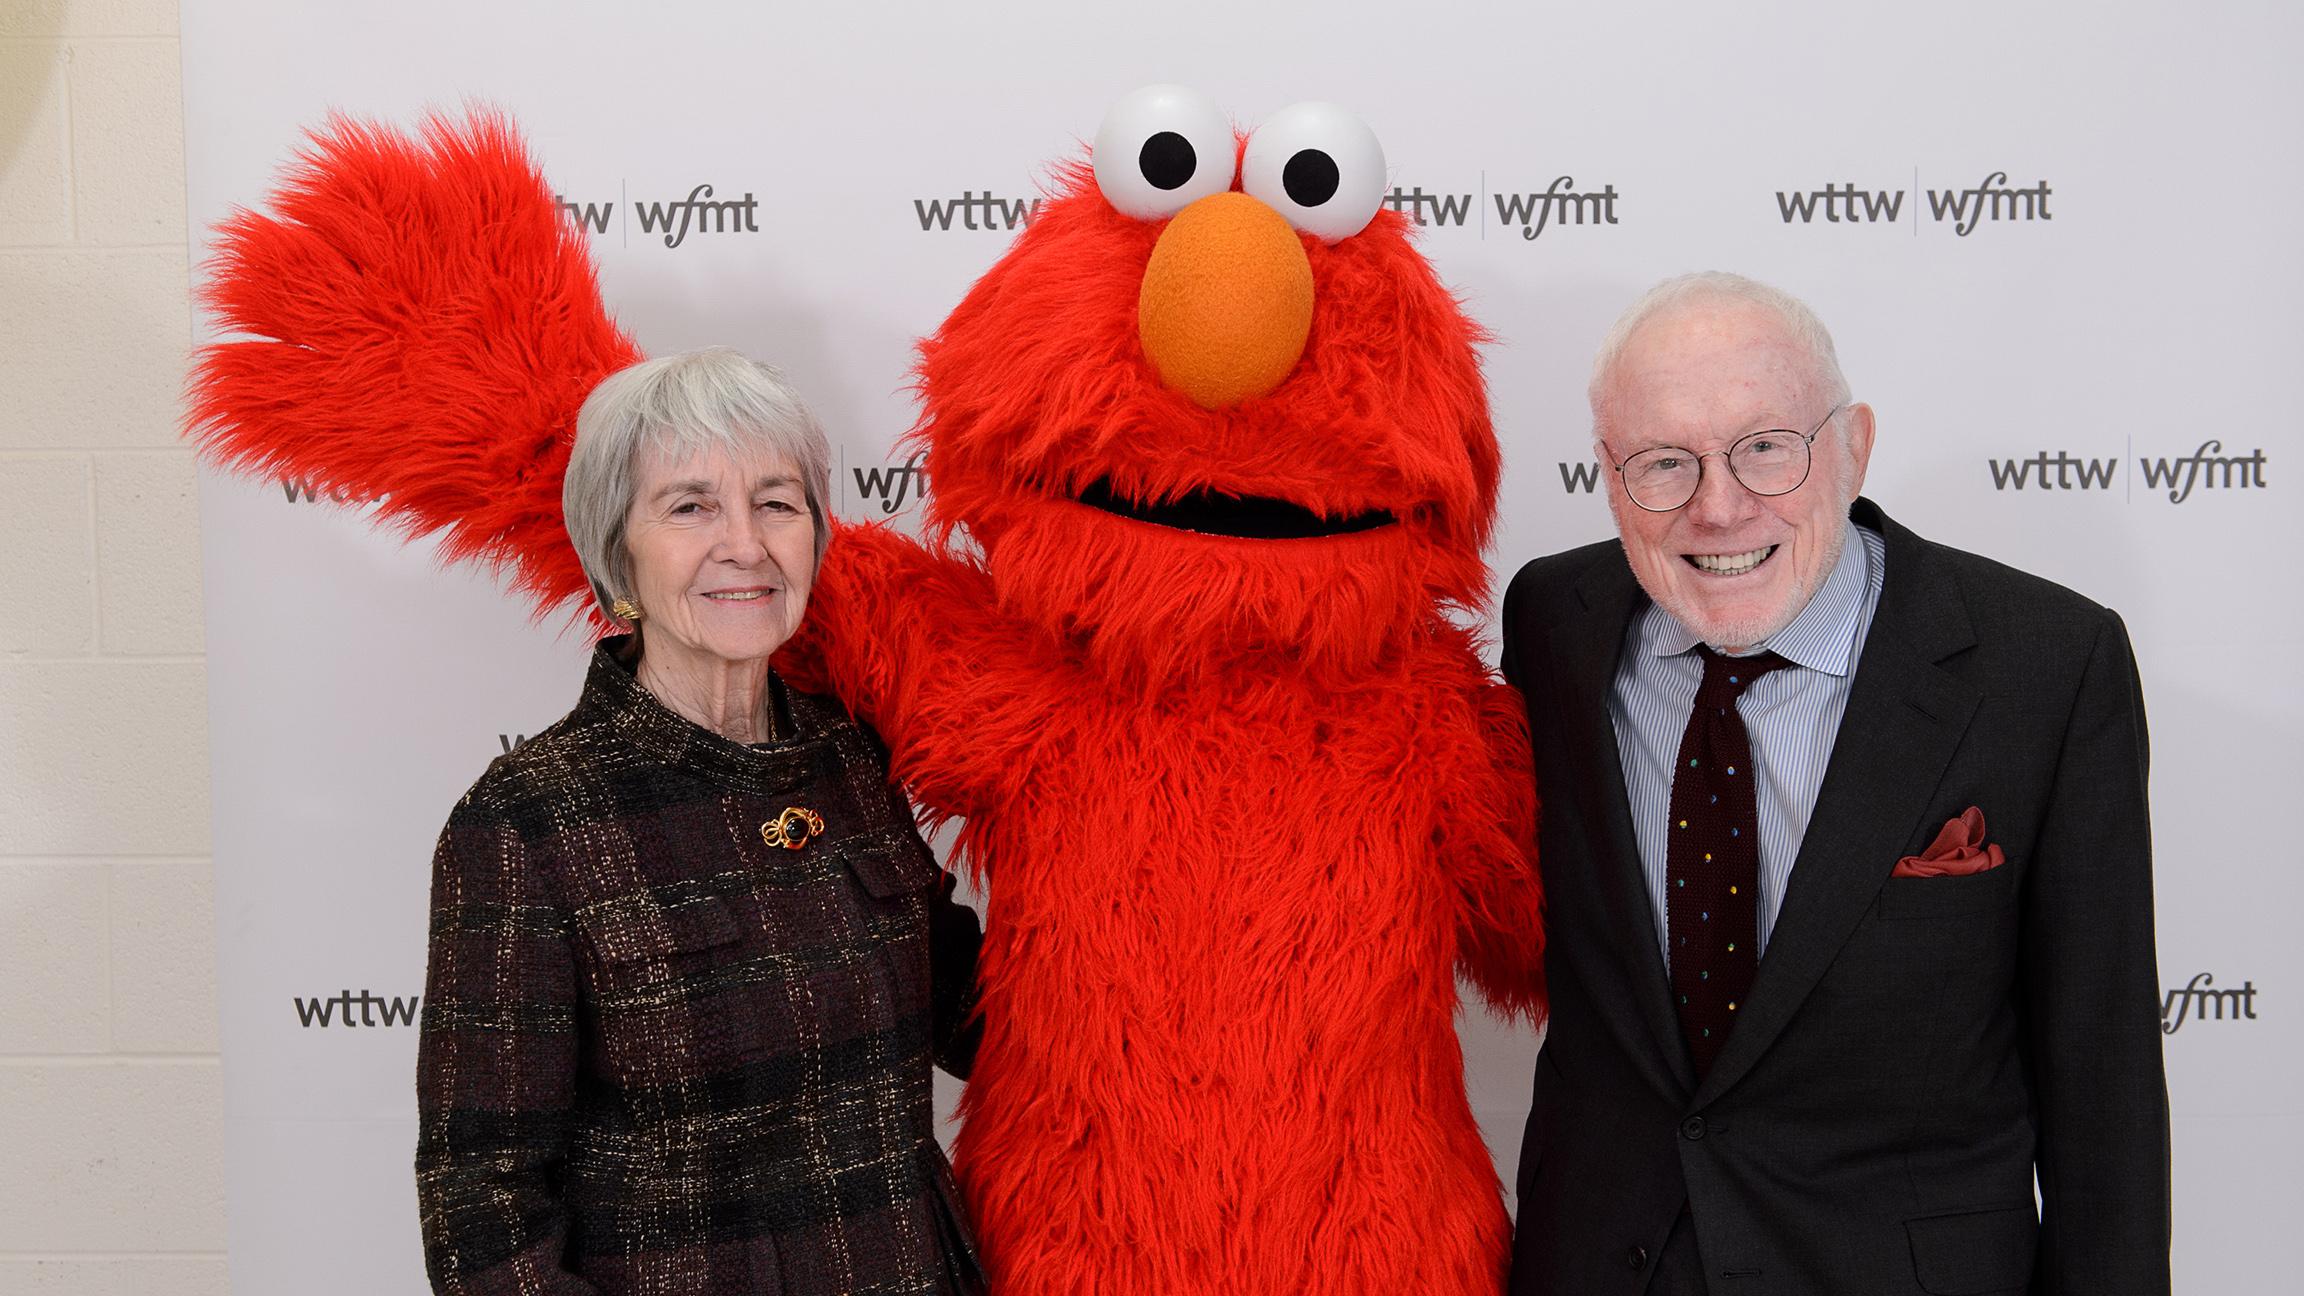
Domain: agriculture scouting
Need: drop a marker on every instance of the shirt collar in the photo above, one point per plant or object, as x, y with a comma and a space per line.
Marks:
1822, 637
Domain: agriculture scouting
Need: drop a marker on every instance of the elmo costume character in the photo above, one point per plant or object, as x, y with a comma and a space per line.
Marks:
1211, 465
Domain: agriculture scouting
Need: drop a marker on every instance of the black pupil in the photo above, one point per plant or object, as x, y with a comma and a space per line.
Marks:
1167, 160
1310, 178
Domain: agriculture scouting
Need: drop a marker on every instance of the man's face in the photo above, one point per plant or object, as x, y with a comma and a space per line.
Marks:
1733, 566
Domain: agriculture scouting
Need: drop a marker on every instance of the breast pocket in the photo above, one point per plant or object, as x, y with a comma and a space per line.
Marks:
891, 866
1911, 898
669, 984
644, 935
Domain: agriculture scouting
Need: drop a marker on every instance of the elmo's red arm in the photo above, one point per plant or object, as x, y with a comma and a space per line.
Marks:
900, 634
1488, 840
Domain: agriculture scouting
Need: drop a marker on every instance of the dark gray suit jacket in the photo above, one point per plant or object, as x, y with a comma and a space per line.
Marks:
1913, 1048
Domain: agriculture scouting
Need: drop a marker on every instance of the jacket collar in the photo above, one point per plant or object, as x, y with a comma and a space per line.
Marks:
614, 698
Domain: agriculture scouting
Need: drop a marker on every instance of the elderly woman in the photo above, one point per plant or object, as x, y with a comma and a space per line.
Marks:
690, 960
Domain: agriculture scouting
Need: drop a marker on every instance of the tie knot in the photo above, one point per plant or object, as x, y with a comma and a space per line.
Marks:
1730, 676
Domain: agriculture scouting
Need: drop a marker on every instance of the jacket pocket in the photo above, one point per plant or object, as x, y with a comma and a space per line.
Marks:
1943, 897
1974, 1254
638, 928
892, 864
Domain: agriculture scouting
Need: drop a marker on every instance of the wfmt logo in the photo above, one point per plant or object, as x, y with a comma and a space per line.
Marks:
2208, 466
1560, 204
2200, 1000
889, 484
732, 216
703, 211
337, 1011
1993, 200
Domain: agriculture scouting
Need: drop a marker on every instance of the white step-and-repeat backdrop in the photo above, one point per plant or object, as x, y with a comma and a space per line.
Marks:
2056, 242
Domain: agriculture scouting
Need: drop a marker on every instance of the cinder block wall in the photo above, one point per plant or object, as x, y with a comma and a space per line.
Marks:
111, 1107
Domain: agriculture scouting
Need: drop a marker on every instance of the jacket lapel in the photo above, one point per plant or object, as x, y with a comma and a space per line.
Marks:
1611, 599
1905, 718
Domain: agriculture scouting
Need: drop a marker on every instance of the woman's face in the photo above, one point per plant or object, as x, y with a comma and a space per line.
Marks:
723, 551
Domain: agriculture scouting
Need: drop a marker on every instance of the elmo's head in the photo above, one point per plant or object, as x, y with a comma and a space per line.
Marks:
1213, 406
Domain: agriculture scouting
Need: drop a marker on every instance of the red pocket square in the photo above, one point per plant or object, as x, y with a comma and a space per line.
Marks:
1959, 850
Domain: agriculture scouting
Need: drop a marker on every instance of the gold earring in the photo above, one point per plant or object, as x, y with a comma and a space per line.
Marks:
624, 609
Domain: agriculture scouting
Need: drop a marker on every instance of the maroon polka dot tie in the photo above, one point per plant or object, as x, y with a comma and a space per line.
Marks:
1712, 865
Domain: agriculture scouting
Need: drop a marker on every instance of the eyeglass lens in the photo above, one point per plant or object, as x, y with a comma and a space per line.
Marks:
1767, 463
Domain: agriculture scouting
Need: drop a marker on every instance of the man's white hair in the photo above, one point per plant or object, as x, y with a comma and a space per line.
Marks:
1708, 288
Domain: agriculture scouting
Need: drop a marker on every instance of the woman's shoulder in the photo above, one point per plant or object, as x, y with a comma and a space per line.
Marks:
524, 784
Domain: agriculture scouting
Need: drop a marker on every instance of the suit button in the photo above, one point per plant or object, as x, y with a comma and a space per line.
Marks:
1636, 1258
1692, 1128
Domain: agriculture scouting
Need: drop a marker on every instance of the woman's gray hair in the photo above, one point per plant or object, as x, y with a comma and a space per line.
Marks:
1710, 287
679, 405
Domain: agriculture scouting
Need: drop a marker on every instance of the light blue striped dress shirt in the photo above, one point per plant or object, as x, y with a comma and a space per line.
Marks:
1791, 714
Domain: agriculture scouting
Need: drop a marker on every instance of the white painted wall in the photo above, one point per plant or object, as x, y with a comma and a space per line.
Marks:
111, 1100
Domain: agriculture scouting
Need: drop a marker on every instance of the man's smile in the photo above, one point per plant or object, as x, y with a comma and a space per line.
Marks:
1730, 564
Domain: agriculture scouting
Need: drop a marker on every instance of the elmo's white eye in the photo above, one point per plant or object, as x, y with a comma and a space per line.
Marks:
1160, 149
1318, 165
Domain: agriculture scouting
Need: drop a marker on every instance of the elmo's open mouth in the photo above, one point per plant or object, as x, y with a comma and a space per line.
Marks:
1247, 517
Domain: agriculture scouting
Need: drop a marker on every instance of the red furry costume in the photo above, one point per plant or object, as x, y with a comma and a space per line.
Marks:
1245, 797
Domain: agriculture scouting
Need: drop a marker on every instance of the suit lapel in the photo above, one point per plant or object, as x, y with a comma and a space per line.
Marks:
1905, 718
1611, 599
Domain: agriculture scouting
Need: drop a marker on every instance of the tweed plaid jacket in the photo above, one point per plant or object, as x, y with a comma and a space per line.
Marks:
660, 1053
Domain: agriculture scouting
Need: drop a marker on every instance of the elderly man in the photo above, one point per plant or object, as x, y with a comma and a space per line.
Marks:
1847, 861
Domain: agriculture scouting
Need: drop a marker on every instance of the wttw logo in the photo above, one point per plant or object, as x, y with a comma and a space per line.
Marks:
375, 1010
1445, 209
307, 492
2069, 473
936, 214
1841, 204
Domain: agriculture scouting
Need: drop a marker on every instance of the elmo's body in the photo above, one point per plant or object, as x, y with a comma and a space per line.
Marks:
1244, 797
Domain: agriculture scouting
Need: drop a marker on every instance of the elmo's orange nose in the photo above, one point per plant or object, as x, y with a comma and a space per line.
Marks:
1227, 301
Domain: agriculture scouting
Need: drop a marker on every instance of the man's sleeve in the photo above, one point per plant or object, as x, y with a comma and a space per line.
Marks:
495, 1071
2092, 991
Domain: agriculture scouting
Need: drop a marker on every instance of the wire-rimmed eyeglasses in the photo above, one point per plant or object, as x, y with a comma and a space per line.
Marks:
1771, 462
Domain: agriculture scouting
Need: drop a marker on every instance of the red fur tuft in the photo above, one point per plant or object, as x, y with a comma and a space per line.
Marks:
423, 324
